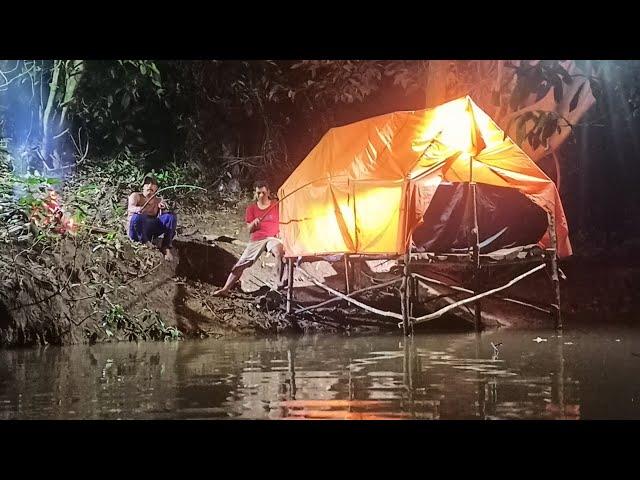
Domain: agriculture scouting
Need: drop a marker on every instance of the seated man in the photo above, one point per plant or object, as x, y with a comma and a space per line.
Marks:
146, 221
263, 222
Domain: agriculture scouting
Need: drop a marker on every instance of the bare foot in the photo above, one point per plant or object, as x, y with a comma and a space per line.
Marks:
168, 256
221, 293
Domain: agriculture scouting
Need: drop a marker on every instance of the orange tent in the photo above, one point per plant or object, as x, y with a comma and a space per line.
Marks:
365, 186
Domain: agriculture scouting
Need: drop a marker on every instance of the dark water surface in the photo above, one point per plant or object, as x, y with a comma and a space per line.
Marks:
579, 375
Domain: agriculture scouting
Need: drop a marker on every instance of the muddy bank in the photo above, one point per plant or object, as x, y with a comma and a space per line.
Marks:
97, 286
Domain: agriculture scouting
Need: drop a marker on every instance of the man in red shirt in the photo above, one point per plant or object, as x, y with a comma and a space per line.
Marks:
263, 222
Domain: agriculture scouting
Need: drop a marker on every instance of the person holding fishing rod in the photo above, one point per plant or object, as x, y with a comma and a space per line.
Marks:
146, 219
263, 223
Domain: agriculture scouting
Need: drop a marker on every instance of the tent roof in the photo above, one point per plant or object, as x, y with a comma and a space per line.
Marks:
359, 178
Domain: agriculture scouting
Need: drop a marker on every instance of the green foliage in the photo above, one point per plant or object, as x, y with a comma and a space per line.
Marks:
348, 81
33, 191
110, 242
123, 171
234, 120
606, 79
174, 174
119, 103
542, 126
116, 324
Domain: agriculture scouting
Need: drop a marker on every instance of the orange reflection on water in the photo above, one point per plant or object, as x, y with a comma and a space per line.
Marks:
337, 410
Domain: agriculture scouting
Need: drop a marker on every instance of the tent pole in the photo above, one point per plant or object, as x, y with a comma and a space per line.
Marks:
474, 243
476, 256
404, 293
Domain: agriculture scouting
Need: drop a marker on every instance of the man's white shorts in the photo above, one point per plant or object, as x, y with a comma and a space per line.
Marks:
255, 249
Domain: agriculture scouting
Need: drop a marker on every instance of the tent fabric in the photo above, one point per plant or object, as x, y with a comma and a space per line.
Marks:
365, 186
506, 218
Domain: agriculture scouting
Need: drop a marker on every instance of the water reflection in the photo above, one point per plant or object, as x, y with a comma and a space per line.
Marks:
462, 376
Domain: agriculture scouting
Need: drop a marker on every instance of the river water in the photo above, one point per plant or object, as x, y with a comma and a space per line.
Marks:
537, 374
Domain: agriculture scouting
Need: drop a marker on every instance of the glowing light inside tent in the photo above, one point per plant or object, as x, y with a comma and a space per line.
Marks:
449, 125
337, 226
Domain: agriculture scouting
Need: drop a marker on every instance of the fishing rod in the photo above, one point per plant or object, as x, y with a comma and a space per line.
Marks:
167, 188
294, 191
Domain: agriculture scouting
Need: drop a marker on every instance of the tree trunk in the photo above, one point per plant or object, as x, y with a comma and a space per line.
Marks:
45, 151
65, 78
73, 73
436, 88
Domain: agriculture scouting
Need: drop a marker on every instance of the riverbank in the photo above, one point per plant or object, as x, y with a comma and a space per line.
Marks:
93, 287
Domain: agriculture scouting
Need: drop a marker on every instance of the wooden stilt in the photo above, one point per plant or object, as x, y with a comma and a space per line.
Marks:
475, 242
477, 281
404, 294
346, 273
552, 262
404, 287
356, 269
290, 267
413, 292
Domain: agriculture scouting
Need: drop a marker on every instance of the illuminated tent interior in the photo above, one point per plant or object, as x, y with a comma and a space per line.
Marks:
373, 186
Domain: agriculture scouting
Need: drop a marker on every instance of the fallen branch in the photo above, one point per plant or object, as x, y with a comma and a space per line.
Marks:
120, 286
329, 322
350, 300
57, 292
332, 300
78, 147
444, 310
466, 290
83, 320
61, 133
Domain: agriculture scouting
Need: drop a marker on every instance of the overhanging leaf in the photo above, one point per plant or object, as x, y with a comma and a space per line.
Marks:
557, 89
548, 129
574, 101
126, 99
520, 130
